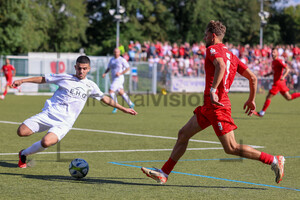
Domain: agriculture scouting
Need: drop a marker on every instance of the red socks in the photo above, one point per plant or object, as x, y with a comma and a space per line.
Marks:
295, 95
5, 92
266, 105
266, 158
168, 166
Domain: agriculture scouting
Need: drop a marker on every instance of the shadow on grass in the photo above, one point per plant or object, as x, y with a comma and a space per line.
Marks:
7, 164
116, 180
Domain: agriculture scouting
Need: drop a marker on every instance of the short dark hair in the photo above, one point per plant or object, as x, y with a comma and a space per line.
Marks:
217, 28
83, 59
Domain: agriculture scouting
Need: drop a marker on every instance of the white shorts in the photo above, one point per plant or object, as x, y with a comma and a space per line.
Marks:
117, 84
45, 121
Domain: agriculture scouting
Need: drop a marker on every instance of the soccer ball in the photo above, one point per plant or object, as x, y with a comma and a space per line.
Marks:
78, 168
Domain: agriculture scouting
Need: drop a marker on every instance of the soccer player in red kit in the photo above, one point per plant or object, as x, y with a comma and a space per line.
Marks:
220, 67
280, 71
7, 70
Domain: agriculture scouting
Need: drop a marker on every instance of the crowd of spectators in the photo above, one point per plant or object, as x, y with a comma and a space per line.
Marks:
188, 59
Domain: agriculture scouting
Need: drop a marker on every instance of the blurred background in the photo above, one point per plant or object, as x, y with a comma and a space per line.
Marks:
162, 39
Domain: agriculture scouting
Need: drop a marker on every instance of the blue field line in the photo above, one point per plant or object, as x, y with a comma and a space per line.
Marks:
184, 160
216, 178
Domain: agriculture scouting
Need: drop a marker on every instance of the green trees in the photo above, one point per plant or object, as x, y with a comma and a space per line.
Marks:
41, 25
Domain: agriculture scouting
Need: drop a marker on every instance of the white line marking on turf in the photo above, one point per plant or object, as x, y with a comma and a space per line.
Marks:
118, 151
134, 134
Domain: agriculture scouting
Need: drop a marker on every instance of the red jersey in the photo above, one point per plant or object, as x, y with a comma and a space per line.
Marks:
7, 70
278, 66
233, 65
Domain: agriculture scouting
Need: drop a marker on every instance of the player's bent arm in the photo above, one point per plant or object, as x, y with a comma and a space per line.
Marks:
219, 72
250, 103
125, 71
252, 83
287, 70
268, 74
38, 80
218, 76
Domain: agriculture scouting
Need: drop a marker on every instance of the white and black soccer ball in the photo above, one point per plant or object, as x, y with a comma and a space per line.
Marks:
78, 168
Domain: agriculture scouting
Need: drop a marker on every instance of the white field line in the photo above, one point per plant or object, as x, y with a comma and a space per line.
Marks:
118, 151
134, 134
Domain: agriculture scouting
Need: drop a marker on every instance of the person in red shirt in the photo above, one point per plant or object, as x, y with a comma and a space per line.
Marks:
220, 67
279, 71
9, 71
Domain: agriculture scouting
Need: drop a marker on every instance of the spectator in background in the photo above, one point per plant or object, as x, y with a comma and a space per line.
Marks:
152, 50
144, 49
9, 71
122, 49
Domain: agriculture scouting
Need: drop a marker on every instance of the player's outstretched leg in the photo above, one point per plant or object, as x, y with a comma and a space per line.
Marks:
185, 133
156, 174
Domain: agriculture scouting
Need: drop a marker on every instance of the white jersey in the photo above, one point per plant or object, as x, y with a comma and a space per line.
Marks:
69, 99
117, 65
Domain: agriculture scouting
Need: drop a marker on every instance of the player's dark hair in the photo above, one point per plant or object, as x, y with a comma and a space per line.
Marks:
217, 28
83, 59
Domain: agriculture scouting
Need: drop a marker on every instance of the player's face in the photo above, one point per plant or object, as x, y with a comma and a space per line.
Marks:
274, 53
117, 53
208, 38
7, 61
81, 70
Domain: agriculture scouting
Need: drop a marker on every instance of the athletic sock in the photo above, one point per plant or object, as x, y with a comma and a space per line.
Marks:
168, 166
35, 148
266, 105
5, 92
295, 95
275, 161
126, 98
266, 158
114, 97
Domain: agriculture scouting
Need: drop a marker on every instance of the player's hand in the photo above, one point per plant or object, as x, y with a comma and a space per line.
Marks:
250, 107
103, 75
130, 111
118, 73
215, 99
17, 83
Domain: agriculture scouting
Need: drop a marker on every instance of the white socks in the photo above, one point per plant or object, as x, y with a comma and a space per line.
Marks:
262, 113
35, 148
275, 161
113, 96
126, 98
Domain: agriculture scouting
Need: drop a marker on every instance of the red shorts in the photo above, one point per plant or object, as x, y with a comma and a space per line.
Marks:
9, 80
279, 86
220, 119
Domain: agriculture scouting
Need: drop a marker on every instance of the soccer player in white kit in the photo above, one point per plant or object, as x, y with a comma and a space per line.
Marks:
118, 66
63, 108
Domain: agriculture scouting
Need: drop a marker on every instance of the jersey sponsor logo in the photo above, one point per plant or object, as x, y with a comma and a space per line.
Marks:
220, 126
78, 92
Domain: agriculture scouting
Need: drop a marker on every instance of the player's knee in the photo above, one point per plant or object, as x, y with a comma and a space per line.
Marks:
47, 142
23, 131
233, 150
182, 136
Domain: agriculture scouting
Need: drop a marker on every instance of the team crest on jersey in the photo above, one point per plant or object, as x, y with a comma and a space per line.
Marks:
212, 51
